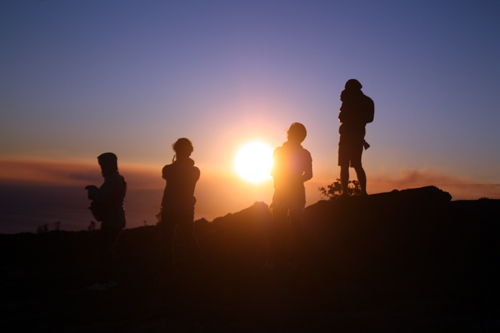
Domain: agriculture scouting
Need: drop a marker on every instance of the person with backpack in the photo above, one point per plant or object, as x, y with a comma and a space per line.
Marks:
178, 202
356, 111
107, 207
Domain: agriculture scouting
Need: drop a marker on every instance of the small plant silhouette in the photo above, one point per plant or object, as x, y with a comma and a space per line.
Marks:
334, 190
42, 229
91, 226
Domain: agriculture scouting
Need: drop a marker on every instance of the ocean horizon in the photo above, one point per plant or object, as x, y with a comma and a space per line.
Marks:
25, 208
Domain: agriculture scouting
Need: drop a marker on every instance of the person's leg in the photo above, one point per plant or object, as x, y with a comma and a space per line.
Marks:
361, 178
344, 178
167, 232
278, 232
296, 240
344, 161
186, 226
356, 152
108, 235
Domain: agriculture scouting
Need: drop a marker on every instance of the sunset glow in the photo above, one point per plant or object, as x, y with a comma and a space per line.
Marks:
80, 78
253, 161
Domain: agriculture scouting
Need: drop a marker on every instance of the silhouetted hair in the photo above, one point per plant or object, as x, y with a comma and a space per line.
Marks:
108, 159
183, 147
353, 84
297, 132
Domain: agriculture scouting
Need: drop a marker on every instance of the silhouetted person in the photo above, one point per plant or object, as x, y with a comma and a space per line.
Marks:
292, 166
107, 207
178, 201
356, 111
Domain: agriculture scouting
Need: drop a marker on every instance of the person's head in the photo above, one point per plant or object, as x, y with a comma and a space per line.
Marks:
108, 163
183, 148
353, 84
296, 133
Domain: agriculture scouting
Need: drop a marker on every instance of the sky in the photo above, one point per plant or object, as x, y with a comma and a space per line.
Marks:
79, 78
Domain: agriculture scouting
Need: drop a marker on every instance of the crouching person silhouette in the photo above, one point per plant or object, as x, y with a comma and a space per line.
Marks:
107, 207
292, 166
178, 203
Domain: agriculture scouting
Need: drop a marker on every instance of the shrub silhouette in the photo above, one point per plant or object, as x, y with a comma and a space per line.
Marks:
334, 190
42, 229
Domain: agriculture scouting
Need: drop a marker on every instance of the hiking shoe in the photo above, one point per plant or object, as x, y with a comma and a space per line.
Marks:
98, 287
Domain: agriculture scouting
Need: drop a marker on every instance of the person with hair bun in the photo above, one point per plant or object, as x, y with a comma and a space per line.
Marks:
178, 201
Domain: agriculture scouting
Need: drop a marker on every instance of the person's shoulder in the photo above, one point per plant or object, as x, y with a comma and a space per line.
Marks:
114, 176
306, 155
114, 179
193, 170
166, 169
368, 99
119, 176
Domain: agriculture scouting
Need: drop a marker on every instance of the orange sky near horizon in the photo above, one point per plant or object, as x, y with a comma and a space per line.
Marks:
220, 192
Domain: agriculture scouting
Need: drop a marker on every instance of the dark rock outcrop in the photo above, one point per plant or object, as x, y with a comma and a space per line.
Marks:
410, 259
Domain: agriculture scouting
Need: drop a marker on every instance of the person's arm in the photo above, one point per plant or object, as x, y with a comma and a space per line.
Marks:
108, 190
164, 172
92, 190
196, 174
308, 172
275, 162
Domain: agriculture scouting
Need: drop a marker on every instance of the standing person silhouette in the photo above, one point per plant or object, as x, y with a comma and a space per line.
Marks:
107, 207
292, 166
178, 201
356, 111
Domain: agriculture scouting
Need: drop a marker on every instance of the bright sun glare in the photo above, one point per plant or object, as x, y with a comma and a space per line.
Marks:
253, 161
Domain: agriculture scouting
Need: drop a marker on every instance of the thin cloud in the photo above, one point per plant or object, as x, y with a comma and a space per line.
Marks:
88, 176
459, 188
37, 172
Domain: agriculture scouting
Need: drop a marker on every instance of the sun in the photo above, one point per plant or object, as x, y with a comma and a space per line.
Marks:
254, 161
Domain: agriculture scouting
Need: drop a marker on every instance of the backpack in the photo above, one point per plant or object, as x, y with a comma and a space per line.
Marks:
368, 110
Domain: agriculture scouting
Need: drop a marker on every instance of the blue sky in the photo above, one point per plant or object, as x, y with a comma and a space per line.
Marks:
78, 78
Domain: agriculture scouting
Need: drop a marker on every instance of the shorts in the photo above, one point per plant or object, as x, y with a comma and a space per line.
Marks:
350, 150
177, 215
289, 198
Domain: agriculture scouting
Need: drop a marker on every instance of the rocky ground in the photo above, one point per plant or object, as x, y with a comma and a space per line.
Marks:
408, 260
